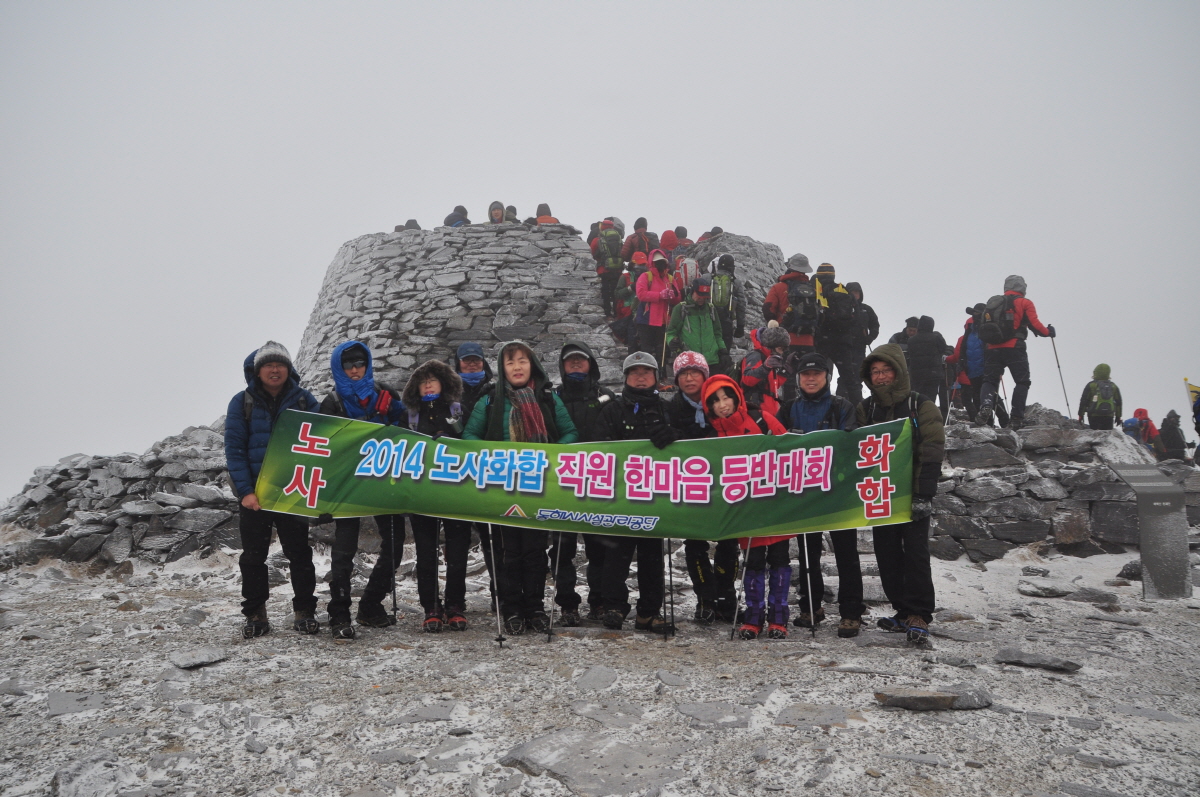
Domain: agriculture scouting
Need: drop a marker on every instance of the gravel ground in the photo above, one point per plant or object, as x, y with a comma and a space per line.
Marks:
93, 705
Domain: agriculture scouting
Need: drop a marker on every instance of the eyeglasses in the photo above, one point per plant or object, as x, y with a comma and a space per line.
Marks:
882, 371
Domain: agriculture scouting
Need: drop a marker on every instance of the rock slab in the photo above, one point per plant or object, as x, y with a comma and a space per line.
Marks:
1038, 660
197, 657
592, 765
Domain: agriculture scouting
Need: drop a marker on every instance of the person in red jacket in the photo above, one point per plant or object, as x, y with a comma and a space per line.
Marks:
1011, 354
726, 409
775, 304
656, 293
638, 241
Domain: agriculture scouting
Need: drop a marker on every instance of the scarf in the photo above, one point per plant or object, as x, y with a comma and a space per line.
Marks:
739, 423
474, 378
701, 420
525, 421
637, 396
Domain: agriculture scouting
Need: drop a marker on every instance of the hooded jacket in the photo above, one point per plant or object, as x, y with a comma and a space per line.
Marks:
583, 398
762, 385
246, 438
472, 393
925, 352
741, 422
896, 401
543, 215
656, 293
1024, 314
497, 205
775, 304
1174, 443
362, 400
457, 217
695, 327
489, 420
1091, 391
669, 243
869, 330
443, 415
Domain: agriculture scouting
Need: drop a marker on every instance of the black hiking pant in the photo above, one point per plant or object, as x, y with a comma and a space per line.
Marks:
255, 530
492, 546
523, 587
933, 388
596, 548
1016, 360
1101, 422
850, 583
563, 545
458, 543
848, 359
650, 340
608, 289
649, 576
902, 551
713, 582
341, 563
970, 396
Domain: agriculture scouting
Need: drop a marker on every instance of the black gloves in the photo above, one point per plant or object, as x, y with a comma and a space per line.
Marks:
921, 507
663, 436
1050, 329
323, 519
774, 362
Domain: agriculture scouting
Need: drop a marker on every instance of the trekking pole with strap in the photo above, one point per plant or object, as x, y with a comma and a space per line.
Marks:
808, 587
1060, 376
496, 579
737, 601
557, 555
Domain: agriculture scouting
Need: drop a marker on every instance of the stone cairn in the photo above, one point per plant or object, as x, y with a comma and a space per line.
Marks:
416, 294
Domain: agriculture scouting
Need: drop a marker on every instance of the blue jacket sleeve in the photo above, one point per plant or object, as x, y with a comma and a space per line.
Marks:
237, 447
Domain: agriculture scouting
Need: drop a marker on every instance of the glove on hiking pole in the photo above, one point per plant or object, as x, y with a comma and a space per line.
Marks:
1060, 376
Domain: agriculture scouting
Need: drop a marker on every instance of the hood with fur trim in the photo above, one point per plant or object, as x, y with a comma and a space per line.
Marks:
452, 385
899, 390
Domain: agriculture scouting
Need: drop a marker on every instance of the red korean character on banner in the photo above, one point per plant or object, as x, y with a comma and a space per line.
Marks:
639, 478
875, 451
818, 468
696, 481
735, 478
310, 443
876, 495
310, 490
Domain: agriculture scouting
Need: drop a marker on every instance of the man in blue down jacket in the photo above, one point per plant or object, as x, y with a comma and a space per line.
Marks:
272, 386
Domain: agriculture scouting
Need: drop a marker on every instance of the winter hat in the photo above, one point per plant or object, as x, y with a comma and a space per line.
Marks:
1015, 282
853, 288
617, 224
826, 269
271, 352
669, 241
681, 232
640, 224
1101, 371
925, 324
702, 285
544, 210
726, 263
774, 336
639, 257
799, 262
812, 361
911, 321
354, 355
690, 359
639, 358
470, 349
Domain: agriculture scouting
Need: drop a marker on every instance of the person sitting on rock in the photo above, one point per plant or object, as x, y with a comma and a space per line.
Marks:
357, 395
457, 218
272, 386
544, 216
411, 224
522, 409
902, 549
433, 396
1148, 433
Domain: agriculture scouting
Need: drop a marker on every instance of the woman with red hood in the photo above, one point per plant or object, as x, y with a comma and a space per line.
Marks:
656, 293
1148, 433
726, 409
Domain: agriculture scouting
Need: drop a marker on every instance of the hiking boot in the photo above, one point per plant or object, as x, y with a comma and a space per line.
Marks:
705, 614
749, 631
514, 625
613, 620
305, 622
918, 630
805, 620
455, 619
892, 624
256, 623
655, 625
538, 621
374, 615
983, 417
433, 622
341, 627
849, 627
595, 614
569, 619
775, 631
1015, 422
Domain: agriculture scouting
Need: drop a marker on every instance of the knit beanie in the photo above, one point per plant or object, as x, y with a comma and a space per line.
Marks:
774, 336
690, 359
271, 352
826, 269
640, 224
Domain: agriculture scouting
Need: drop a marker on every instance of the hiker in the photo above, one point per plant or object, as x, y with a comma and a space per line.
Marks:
816, 408
763, 374
606, 250
583, 396
792, 302
729, 300
434, 399
638, 241
712, 580
1004, 333
457, 217
694, 327
495, 214
910, 328
1101, 400
670, 245
726, 409
864, 334
713, 233
638, 413
1175, 446
656, 295
623, 326
968, 358
411, 224
512, 217
1148, 434
358, 396
682, 238
838, 331
522, 409
926, 352
902, 549
272, 386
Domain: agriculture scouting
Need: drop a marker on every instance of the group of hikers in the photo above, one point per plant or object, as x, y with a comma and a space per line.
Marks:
782, 385
1101, 404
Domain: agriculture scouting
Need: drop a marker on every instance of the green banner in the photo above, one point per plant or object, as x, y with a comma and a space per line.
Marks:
710, 489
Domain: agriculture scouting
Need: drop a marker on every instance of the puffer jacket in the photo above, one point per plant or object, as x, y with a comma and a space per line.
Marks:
246, 439
895, 401
489, 420
822, 410
695, 327
583, 398
763, 386
925, 352
655, 292
442, 416
776, 304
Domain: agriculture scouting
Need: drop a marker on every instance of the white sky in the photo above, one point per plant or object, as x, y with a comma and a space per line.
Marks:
176, 177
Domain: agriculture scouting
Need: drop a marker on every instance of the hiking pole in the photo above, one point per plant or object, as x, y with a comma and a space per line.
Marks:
671, 592
1060, 376
496, 581
557, 554
808, 587
737, 602
395, 562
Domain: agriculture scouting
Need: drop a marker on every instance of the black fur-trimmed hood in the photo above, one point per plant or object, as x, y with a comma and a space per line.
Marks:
452, 385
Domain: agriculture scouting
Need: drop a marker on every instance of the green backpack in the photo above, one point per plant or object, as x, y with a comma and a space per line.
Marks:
608, 247
1103, 401
722, 291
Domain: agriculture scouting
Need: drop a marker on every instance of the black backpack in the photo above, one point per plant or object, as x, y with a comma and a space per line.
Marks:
608, 249
994, 324
841, 314
803, 309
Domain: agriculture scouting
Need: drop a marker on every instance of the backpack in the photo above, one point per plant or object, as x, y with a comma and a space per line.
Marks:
608, 248
994, 324
722, 291
841, 314
803, 310
1103, 402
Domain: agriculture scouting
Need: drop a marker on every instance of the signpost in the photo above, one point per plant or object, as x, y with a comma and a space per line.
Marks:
1162, 531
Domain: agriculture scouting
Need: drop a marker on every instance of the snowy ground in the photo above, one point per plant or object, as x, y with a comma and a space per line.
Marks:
399, 712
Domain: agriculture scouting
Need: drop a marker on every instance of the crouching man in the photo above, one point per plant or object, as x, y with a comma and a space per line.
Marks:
272, 386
